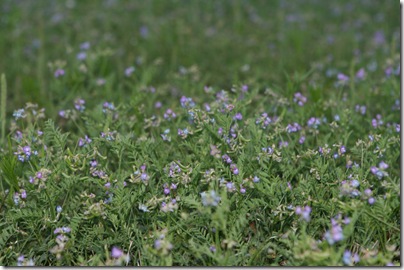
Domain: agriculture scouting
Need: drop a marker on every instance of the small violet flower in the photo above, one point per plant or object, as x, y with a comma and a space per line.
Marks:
59, 73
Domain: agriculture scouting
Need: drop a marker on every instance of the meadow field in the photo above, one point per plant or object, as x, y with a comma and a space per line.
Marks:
200, 133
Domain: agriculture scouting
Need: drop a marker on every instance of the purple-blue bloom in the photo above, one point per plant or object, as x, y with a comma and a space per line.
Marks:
346, 258
116, 252
81, 56
129, 71
59, 72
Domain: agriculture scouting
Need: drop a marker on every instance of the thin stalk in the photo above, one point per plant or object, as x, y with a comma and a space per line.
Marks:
3, 107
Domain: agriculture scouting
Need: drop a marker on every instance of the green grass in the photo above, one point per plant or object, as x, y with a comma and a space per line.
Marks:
109, 171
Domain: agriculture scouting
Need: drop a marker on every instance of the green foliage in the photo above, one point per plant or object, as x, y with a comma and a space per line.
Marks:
201, 154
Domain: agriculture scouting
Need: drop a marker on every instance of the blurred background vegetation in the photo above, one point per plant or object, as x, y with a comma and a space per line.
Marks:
180, 46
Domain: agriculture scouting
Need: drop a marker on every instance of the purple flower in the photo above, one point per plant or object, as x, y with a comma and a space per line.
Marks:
238, 116
356, 258
368, 192
129, 71
227, 159
374, 123
79, 104
144, 31
157, 244
355, 183
234, 169
20, 259
166, 191
256, 179
81, 56
23, 194
299, 99
212, 248
360, 74
346, 258
108, 106
383, 165
116, 252
304, 213
268, 150
337, 118
335, 234
374, 170
388, 71
18, 135
378, 38
302, 139
144, 176
283, 144
27, 150
230, 186
363, 110
342, 77
158, 105
169, 114
290, 128
342, 149
62, 114
85, 46
93, 163
187, 102
313, 122
59, 72
183, 133
371, 200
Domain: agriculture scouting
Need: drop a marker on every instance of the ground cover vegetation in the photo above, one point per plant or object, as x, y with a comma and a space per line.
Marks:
200, 133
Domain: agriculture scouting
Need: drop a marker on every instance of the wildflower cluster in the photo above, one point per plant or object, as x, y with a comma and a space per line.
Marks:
380, 171
303, 212
139, 176
210, 198
156, 154
264, 121
61, 240
118, 257
161, 244
335, 234
40, 178
24, 153
22, 261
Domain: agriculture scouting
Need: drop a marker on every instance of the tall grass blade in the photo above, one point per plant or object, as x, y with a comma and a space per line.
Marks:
3, 107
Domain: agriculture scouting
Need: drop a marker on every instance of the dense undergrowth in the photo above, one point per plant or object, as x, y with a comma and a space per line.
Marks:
200, 133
